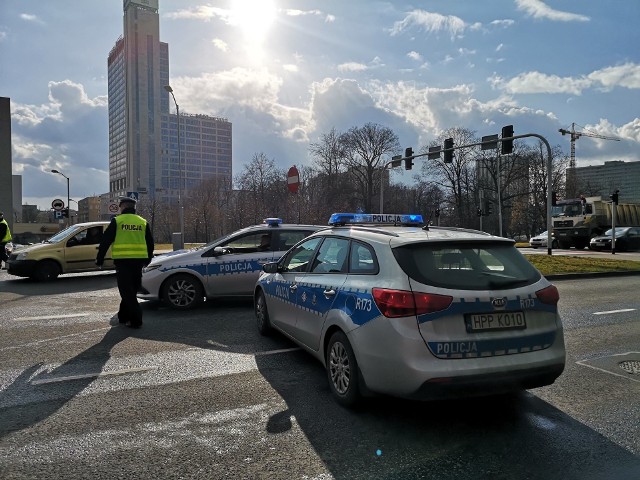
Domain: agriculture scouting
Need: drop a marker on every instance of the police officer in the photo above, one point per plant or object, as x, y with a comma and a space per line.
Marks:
5, 237
132, 250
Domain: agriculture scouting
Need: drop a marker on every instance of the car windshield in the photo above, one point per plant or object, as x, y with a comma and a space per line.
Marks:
466, 266
64, 234
619, 231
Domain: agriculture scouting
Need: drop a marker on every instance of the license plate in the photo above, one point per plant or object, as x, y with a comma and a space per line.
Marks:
598, 244
482, 322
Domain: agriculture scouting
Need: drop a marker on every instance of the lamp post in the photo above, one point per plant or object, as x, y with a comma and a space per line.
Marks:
68, 196
181, 207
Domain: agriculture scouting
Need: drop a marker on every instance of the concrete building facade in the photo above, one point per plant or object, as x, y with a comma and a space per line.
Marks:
605, 179
143, 134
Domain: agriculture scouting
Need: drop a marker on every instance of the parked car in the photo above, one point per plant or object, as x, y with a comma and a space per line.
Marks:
540, 240
71, 250
627, 238
228, 266
414, 311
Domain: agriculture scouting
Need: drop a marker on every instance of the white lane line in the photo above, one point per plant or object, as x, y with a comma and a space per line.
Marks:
90, 375
51, 317
13, 347
275, 352
615, 311
627, 377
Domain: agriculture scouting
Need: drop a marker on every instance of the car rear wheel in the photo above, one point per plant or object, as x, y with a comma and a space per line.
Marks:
262, 314
342, 370
46, 271
183, 291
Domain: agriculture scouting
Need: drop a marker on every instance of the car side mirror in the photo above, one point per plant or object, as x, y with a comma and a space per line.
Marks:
271, 267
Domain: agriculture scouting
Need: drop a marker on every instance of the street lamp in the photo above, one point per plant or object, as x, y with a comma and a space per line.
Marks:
181, 209
68, 199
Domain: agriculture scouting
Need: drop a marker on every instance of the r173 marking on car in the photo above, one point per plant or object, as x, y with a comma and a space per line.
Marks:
363, 304
496, 321
527, 303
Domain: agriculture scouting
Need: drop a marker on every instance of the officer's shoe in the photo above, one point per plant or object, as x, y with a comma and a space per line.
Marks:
133, 325
115, 321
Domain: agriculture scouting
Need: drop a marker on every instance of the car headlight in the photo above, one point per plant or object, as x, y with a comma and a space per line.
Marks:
151, 268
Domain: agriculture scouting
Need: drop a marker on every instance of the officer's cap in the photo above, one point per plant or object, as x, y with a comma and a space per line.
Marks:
130, 200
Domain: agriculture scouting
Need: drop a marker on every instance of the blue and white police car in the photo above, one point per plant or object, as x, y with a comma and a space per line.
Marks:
390, 305
228, 266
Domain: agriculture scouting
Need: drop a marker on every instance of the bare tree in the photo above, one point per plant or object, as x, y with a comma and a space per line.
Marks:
265, 185
366, 150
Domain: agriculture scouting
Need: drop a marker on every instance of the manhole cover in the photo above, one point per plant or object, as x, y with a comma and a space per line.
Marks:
630, 367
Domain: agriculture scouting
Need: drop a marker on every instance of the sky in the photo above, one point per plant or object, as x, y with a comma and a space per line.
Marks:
285, 72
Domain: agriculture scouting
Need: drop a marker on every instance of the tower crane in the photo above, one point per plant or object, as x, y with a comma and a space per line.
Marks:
576, 135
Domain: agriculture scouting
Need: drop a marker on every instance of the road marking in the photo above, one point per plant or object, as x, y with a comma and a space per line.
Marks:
13, 347
51, 317
90, 375
275, 352
615, 311
584, 364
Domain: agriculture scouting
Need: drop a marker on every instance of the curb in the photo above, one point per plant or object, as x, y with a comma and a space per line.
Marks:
573, 276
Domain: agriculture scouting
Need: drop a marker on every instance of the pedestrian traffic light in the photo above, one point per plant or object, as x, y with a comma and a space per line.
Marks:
479, 211
448, 150
614, 197
507, 145
554, 198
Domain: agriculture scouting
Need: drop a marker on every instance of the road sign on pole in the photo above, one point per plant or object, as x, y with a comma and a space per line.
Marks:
293, 180
57, 204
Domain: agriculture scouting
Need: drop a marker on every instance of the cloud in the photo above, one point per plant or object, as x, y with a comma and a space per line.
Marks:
352, 67
540, 10
202, 12
220, 44
431, 23
413, 55
627, 76
27, 17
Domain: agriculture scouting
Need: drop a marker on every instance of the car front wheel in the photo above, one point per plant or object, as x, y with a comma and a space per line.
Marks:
262, 314
342, 370
183, 292
46, 270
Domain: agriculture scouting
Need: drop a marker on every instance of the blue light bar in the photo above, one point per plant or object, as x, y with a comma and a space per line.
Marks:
272, 222
374, 219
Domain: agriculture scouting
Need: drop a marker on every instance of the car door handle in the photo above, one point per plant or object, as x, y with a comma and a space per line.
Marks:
329, 293
293, 287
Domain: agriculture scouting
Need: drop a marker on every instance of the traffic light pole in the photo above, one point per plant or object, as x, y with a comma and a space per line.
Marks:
451, 148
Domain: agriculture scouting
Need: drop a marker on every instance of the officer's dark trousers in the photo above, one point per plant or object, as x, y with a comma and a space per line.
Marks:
129, 277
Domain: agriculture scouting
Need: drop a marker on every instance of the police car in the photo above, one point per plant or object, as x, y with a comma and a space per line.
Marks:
393, 306
228, 266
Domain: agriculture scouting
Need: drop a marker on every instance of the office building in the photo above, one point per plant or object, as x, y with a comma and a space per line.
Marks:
143, 134
6, 179
605, 179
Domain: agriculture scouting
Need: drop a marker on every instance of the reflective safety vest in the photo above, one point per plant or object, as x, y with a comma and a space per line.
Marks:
130, 237
7, 235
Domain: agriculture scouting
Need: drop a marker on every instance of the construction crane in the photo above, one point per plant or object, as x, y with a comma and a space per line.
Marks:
576, 135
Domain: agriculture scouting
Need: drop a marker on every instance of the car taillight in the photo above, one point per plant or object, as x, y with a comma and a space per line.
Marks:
548, 295
401, 303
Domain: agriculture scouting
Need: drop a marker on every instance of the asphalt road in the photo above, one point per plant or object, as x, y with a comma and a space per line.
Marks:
202, 395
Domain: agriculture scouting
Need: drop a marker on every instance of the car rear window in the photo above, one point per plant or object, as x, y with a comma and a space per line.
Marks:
466, 266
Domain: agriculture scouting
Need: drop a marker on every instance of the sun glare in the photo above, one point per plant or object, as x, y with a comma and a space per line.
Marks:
254, 18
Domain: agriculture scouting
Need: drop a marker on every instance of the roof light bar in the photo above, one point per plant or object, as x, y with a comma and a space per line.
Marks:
272, 222
375, 219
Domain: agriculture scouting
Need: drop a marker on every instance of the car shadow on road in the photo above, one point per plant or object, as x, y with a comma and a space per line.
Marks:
48, 391
499, 437
61, 285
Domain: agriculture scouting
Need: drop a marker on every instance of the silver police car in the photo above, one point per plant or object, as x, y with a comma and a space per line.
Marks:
392, 306
228, 266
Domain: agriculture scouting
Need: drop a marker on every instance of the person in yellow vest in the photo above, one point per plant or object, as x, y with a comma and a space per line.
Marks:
5, 237
129, 236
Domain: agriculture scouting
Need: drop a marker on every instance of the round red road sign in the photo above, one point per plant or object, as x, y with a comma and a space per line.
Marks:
293, 180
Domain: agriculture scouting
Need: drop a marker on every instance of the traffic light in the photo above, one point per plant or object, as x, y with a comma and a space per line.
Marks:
437, 212
408, 158
554, 198
488, 210
507, 145
614, 197
448, 150
65, 212
479, 211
